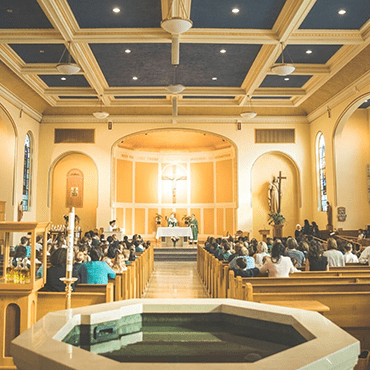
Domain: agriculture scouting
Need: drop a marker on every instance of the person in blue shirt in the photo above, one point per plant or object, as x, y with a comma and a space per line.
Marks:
96, 271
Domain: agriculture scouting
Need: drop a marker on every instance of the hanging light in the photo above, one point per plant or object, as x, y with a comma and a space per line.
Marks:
175, 88
248, 111
283, 69
68, 67
176, 25
101, 114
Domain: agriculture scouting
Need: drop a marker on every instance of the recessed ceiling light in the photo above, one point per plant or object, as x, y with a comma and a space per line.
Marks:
116, 10
9, 10
42, 51
342, 11
214, 78
127, 51
235, 10
134, 78
308, 51
63, 78
286, 79
222, 51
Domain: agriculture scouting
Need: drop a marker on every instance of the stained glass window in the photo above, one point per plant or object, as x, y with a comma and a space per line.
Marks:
321, 175
27, 173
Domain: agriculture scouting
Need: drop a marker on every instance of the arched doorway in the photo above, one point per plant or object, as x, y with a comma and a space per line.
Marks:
175, 170
352, 163
264, 169
75, 183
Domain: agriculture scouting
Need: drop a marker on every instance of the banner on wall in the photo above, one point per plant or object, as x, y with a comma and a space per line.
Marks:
74, 193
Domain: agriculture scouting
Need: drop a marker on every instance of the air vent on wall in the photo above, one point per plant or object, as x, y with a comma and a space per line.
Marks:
86, 136
267, 136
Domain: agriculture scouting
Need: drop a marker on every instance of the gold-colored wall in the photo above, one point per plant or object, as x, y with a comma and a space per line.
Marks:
267, 166
202, 189
146, 182
87, 214
124, 181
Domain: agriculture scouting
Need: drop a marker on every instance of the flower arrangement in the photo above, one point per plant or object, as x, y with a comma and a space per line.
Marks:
158, 218
276, 219
186, 219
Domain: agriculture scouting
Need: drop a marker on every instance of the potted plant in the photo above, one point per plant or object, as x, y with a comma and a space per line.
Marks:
277, 221
158, 218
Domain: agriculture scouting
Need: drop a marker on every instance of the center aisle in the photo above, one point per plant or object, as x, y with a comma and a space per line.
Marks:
175, 280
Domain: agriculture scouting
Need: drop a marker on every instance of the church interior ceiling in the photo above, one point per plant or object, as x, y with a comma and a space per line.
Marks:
226, 57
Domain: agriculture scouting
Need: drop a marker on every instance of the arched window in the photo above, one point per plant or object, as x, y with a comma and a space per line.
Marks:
27, 172
321, 172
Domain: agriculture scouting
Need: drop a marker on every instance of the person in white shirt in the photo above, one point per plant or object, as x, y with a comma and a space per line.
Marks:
278, 265
261, 252
349, 257
365, 256
112, 225
335, 258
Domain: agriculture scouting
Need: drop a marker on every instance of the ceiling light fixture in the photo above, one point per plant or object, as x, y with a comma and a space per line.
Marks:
286, 79
116, 10
222, 51
283, 69
214, 78
127, 51
342, 11
308, 51
176, 22
101, 114
248, 112
134, 78
63, 78
68, 67
175, 88
235, 10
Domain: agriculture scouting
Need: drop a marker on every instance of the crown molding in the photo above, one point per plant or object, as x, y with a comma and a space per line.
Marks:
20, 104
133, 119
345, 94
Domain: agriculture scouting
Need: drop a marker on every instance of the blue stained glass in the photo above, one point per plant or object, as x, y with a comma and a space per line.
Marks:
26, 173
323, 198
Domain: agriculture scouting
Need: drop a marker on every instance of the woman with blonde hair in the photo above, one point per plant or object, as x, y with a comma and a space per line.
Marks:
261, 252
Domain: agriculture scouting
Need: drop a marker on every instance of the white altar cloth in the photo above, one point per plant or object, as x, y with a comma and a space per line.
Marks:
174, 231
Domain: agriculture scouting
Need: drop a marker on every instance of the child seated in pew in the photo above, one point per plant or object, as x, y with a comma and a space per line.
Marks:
349, 257
261, 252
278, 265
244, 254
242, 270
119, 264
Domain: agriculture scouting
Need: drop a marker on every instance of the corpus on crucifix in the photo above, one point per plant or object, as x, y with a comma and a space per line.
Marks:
174, 178
274, 194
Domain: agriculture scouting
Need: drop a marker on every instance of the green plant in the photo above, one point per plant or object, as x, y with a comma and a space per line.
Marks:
276, 219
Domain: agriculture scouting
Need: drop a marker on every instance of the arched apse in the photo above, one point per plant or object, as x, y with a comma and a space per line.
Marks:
352, 158
65, 192
204, 165
8, 145
264, 168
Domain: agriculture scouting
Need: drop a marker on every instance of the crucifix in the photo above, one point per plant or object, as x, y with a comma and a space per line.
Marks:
174, 178
279, 190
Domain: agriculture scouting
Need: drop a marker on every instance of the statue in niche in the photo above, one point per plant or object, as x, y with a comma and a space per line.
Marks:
273, 195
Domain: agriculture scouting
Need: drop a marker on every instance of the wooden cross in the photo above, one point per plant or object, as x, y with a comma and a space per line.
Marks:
279, 190
174, 180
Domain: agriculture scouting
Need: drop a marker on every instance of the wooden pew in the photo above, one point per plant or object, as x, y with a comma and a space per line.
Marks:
85, 295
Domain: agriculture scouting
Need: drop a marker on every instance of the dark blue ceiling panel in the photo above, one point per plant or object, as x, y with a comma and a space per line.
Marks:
280, 81
133, 13
271, 97
324, 15
77, 97
258, 14
320, 54
70, 81
208, 97
39, 53
16, 14
365, 105
140, 97
151, 64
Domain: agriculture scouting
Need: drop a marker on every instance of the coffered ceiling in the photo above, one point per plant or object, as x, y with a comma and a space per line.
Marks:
125, 56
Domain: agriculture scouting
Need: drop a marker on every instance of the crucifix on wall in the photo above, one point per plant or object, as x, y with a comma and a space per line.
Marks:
174, 178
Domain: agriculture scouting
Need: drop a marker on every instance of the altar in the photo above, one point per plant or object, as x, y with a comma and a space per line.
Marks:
166, 233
